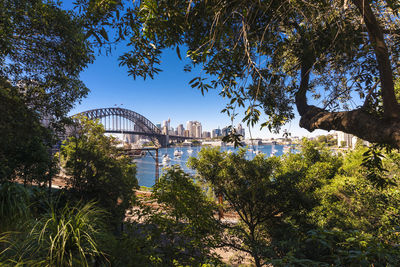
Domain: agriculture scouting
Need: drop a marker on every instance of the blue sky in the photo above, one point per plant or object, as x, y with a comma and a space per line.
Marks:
168, 95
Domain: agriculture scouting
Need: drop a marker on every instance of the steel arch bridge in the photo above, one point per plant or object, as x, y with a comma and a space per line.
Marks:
125, 121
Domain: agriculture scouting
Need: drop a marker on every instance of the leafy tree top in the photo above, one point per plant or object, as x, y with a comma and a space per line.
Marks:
42, 51
274, 55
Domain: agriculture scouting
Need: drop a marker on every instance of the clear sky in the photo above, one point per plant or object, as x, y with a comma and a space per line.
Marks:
168, 95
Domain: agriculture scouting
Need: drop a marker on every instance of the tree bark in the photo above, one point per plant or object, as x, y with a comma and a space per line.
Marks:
385, 130
357, 122
375, 32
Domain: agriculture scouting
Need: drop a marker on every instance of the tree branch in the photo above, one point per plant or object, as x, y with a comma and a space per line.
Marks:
301, 95
391, 107
380, 130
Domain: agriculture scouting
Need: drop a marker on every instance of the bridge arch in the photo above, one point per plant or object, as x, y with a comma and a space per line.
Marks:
144, 126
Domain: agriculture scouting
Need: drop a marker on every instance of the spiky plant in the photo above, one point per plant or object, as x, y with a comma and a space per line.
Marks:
14, 206
65, 237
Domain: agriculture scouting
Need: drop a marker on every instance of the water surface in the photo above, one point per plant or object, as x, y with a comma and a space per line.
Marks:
146, 165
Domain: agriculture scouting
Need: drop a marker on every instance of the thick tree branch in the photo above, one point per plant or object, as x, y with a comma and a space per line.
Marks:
357, 122
301, 95
391, 107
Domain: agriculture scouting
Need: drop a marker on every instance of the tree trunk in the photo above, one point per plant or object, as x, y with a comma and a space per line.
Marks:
390, 105
369, 127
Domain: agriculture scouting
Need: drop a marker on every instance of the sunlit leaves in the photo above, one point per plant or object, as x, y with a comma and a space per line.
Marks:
200, 84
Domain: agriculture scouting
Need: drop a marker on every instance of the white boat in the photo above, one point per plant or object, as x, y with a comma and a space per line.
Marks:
190, 151
178, 153
258, 152
165, 159
273, 151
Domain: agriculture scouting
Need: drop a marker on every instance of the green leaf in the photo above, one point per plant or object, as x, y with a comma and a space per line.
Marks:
104, 34
178, 52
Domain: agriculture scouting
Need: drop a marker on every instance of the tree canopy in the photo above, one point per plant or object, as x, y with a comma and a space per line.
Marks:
97, 169
42, 51
273, 56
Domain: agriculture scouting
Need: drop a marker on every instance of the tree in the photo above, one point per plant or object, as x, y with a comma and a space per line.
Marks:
24, 142
185, 219
251, 191
279, 54
42, 51
97, 170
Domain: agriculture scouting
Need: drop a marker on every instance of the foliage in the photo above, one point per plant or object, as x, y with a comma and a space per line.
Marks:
14, 206
42, 51
314, 208
352, 221
97, 170
252, 192
65, 237
175, 227
374, 170
271, 56
186, 222
24, 143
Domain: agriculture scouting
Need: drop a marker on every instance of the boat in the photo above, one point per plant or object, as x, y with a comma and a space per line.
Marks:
190, 151
165, 159
258, 152
178, 153
273, 151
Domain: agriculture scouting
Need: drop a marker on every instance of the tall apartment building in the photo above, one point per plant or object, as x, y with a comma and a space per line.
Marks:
344, 139
206, 134
186, 133
198, 130
225, 131
240, 130
216, 133
180, 130
194, 128
166, 127
189, 126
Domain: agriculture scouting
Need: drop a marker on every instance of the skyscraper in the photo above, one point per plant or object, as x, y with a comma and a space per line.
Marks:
180, 130
240, 130
198, 129
189, 126
216, 133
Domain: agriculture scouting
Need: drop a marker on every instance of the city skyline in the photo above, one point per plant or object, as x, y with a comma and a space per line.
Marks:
195, 129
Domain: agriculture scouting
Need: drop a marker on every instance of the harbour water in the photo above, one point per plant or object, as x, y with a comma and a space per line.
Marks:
146, 164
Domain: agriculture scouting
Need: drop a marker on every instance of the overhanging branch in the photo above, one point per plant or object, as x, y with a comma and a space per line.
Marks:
357, 122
